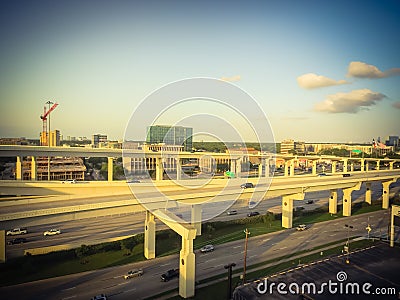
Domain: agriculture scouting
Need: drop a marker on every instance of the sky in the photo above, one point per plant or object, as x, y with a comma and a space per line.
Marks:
320, 71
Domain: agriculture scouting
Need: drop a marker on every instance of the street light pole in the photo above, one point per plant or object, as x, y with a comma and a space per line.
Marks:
229, 267
48, 143
247, 232
348, 242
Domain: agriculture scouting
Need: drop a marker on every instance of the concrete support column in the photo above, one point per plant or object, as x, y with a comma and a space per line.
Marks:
334, 164
314, 167
345, 165
378, 164
366, 167
362, 165
149, 236
352, 167
347, 199
260, 169
2, 246
238, 167
33, 168
110, 168
292, 167
159, 169
333, 202
286, 169
196, 217
368, 194
263, 168
18, 168
391, 165
187, 268
266, 167
385, 193
287, 208
178, 169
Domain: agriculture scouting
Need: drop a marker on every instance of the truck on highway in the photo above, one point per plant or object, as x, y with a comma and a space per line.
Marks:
17, 231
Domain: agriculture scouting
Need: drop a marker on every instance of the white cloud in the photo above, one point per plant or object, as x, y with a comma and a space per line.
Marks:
349, 102
362, 70
396, 105
231, 79
312, 81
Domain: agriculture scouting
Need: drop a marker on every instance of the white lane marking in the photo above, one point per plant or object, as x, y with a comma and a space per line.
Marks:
68, 289
237, 247
131, 290
70, 297
265, 240
167, 264
332, 234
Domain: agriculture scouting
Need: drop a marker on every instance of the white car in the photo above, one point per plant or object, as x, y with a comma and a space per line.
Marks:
69, 181
133, 273
52, 232
301, 227
17, 231
207, 248
100, 297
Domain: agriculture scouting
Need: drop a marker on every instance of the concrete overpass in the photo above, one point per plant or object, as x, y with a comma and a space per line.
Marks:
289, 187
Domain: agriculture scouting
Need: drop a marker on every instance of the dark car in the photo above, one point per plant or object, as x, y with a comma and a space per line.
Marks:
309, 201
17, 241
246, 185
346, 175
253, 214
170, 274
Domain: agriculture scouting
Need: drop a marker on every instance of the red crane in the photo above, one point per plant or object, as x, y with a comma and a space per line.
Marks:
44, 137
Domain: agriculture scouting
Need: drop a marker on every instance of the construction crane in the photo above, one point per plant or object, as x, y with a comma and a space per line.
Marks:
44, 138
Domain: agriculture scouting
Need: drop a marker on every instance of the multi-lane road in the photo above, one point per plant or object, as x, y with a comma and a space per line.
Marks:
261, 248
97, 230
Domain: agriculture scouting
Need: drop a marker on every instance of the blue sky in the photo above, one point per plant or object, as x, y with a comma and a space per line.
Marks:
321, 71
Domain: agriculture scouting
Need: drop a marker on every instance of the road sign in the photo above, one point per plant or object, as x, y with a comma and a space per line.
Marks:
230, 174
356, 151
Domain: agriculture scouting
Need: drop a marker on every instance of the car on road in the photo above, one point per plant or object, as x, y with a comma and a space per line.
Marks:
69, 181
321, 174
301, 227
253, 214
133, 273
133, 181
309, 201
52, 231
170, 274
346, 175
17, 231
231, 212
100, 297
207, 248
17, 241
246, 185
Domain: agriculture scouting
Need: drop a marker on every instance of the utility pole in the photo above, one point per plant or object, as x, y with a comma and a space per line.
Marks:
247, 232
48, 143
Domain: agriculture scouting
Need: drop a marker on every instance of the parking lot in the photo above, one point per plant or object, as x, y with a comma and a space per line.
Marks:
372, 273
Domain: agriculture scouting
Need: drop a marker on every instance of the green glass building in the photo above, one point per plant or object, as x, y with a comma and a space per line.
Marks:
170, 135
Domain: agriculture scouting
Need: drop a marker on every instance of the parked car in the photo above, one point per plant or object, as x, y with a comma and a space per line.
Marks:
346, 175
321, 174
246, 185
309, 201
52, 231
231, 212
17, 241
207, 248
100, 297
17, 231
133, 273
301, 227
170, 274
253, 214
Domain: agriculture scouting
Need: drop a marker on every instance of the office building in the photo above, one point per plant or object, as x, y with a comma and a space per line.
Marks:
170, 135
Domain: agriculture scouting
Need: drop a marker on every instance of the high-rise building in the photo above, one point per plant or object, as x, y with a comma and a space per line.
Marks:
170, 135
51, 138
97, 139
392, 140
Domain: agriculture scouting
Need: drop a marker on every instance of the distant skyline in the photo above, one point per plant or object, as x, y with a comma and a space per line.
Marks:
321, 71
